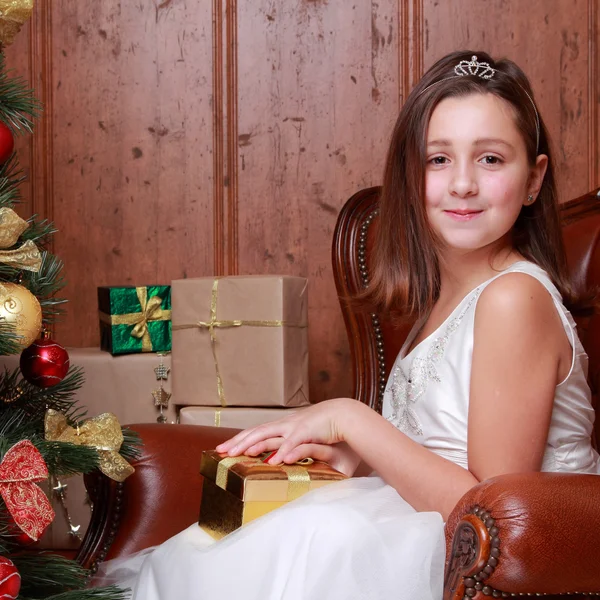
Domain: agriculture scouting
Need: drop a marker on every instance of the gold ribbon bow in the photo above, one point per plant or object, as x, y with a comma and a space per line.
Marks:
215, 323
298, 476
103, 433
151, 311
13, 13
27, 256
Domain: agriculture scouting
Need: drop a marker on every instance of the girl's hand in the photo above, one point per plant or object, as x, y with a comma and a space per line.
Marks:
318, 425
339, 456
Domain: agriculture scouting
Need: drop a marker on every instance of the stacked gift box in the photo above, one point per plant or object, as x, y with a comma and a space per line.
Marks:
240, 349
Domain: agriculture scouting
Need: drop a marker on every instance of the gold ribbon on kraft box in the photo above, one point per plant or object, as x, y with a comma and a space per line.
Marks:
216, 323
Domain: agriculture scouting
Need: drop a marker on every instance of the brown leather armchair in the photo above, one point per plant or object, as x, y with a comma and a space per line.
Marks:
514, 535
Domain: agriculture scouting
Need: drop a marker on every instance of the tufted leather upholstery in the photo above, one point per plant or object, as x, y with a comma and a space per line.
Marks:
509, 536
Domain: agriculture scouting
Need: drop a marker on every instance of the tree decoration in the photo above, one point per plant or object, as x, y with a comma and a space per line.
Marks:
13, 13
10, 580
45, 363
7, 143
102, 433
19, 307
20, 468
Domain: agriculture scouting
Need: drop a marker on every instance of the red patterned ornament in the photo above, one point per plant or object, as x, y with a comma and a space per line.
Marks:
7, 143
10, 580
45, 363
27, 504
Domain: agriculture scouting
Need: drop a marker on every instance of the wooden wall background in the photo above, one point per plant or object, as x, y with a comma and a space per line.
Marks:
200, 137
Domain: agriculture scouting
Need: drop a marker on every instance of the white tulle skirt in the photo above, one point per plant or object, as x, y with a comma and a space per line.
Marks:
351, 540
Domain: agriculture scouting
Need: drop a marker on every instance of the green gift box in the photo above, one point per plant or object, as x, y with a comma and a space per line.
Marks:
135, 319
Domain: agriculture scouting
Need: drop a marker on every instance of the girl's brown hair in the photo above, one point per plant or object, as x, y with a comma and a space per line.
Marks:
405, 276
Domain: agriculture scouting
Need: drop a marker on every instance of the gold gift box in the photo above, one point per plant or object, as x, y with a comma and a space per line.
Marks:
237, 490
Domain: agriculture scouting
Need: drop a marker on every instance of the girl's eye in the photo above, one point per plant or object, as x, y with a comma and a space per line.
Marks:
491, 160
438, 160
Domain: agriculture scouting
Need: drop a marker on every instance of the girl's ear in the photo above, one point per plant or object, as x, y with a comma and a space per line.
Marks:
536, 178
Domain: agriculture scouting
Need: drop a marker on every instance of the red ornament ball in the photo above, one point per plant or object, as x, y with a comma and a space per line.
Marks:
18, 536
7, 143
10, 580
45, 363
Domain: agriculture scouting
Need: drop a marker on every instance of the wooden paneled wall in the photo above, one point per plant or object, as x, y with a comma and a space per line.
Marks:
190, 138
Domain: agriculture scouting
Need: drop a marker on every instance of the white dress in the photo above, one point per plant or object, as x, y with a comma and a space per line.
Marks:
358, 539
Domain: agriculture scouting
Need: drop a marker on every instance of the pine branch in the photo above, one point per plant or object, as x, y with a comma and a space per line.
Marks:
39, 232
18, 104
131, 449
11, 177
44, 574
34, 400
107, 593
8, 340
64, 459
45, 284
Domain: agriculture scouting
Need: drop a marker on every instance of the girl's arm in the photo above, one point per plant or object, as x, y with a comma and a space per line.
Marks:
519, 349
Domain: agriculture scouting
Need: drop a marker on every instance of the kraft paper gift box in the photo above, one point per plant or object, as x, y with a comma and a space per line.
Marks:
239, 489
240, 341
135, 319
234, 417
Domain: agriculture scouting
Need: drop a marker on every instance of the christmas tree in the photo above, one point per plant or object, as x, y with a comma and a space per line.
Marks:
43, 436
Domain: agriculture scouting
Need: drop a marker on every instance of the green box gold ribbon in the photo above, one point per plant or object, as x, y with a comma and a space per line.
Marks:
135, 319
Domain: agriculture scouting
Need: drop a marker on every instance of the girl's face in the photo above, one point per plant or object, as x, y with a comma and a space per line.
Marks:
477, 176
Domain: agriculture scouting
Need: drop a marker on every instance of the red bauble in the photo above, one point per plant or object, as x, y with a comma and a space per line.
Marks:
45, 363
10, 580
18, 536
7, 143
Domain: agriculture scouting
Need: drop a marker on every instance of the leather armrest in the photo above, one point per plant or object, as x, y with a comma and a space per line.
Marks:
159, 500
531, 533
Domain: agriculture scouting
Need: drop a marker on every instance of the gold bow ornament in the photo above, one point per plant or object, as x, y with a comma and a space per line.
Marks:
103, 433
13, 14
151, 311
27, 256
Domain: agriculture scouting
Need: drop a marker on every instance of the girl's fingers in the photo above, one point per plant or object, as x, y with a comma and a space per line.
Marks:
249, 437
230, 443
317, 451
264, 446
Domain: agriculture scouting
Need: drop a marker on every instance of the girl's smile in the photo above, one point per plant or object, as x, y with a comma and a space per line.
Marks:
463, 215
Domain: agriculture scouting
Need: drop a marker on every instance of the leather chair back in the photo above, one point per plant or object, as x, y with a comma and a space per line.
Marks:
375, 341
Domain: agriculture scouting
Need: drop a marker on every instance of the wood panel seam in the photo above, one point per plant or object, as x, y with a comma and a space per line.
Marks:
410, 45
218, 155
232, 139
40, 68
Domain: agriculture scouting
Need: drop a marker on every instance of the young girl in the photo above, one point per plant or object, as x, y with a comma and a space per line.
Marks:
469, 242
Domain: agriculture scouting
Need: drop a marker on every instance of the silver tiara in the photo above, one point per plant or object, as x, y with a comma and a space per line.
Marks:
473, 67
484, 71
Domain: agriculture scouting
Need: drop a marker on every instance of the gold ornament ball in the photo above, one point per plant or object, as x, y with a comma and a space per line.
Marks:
20, 307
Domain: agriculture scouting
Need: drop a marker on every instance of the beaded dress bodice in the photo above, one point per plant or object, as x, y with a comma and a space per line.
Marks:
427, 394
